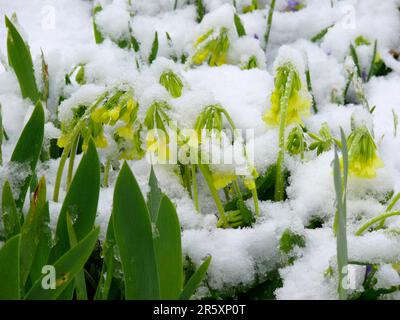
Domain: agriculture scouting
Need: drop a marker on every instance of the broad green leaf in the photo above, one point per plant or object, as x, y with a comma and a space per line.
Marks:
133, 233
195, 280
154, 196
20, 59
28, 148
169, 251
80, 284
43, 247
67, 267
80, 201
239, 26
9, 269
32, 229
11, 218
154, 49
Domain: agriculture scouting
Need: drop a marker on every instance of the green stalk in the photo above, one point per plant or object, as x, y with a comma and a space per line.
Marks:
280, 183
254, 192
106, 173
60, 170
75, 133
195, 192
379, 218
71, 161
269, 22
214, 193
255, 199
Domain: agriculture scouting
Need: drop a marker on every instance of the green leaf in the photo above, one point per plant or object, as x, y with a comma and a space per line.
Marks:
195, 280
201, 11
45, 78
67, 267
289, 240
169, 251
354, 55
28, 148
239, 26
80, 284
154, 196
320, 35
31, 230
154, 49
98, 37
80, 201
340, 227
133, 233
9, 269
11, 218
20, 59
44, 246
109, 263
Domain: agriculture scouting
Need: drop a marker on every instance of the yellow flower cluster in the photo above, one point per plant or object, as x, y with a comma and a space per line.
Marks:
299, 100
363, 157
212, 47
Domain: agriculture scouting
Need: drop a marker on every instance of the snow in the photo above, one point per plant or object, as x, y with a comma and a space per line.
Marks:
241, 258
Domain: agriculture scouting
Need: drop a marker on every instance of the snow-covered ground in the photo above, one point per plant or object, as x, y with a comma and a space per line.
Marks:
241, 258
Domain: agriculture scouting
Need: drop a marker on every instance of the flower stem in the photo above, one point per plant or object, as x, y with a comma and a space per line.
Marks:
106, 173
195, 193
269, 22
60, 170
379, 218
255, 199
214, 193
72, 160
280, 183
75, 133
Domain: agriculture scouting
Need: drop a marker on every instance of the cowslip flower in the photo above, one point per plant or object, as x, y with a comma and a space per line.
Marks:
363, 156
222, 179
299, 99
212, 48
171, 81
157, 122
295, 142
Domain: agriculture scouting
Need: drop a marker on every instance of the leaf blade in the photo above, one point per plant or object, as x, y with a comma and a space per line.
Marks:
66, 268
9, 269
132, 229
168, 250
195, 280
20, 59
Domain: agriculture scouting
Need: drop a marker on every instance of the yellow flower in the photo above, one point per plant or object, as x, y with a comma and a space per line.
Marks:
100, 141
127, 112
221, 180
114, 113
215, 49
200, 56
157, 145
125, 132
63, 140
250, 180
98, 115
363, 158
299, 99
